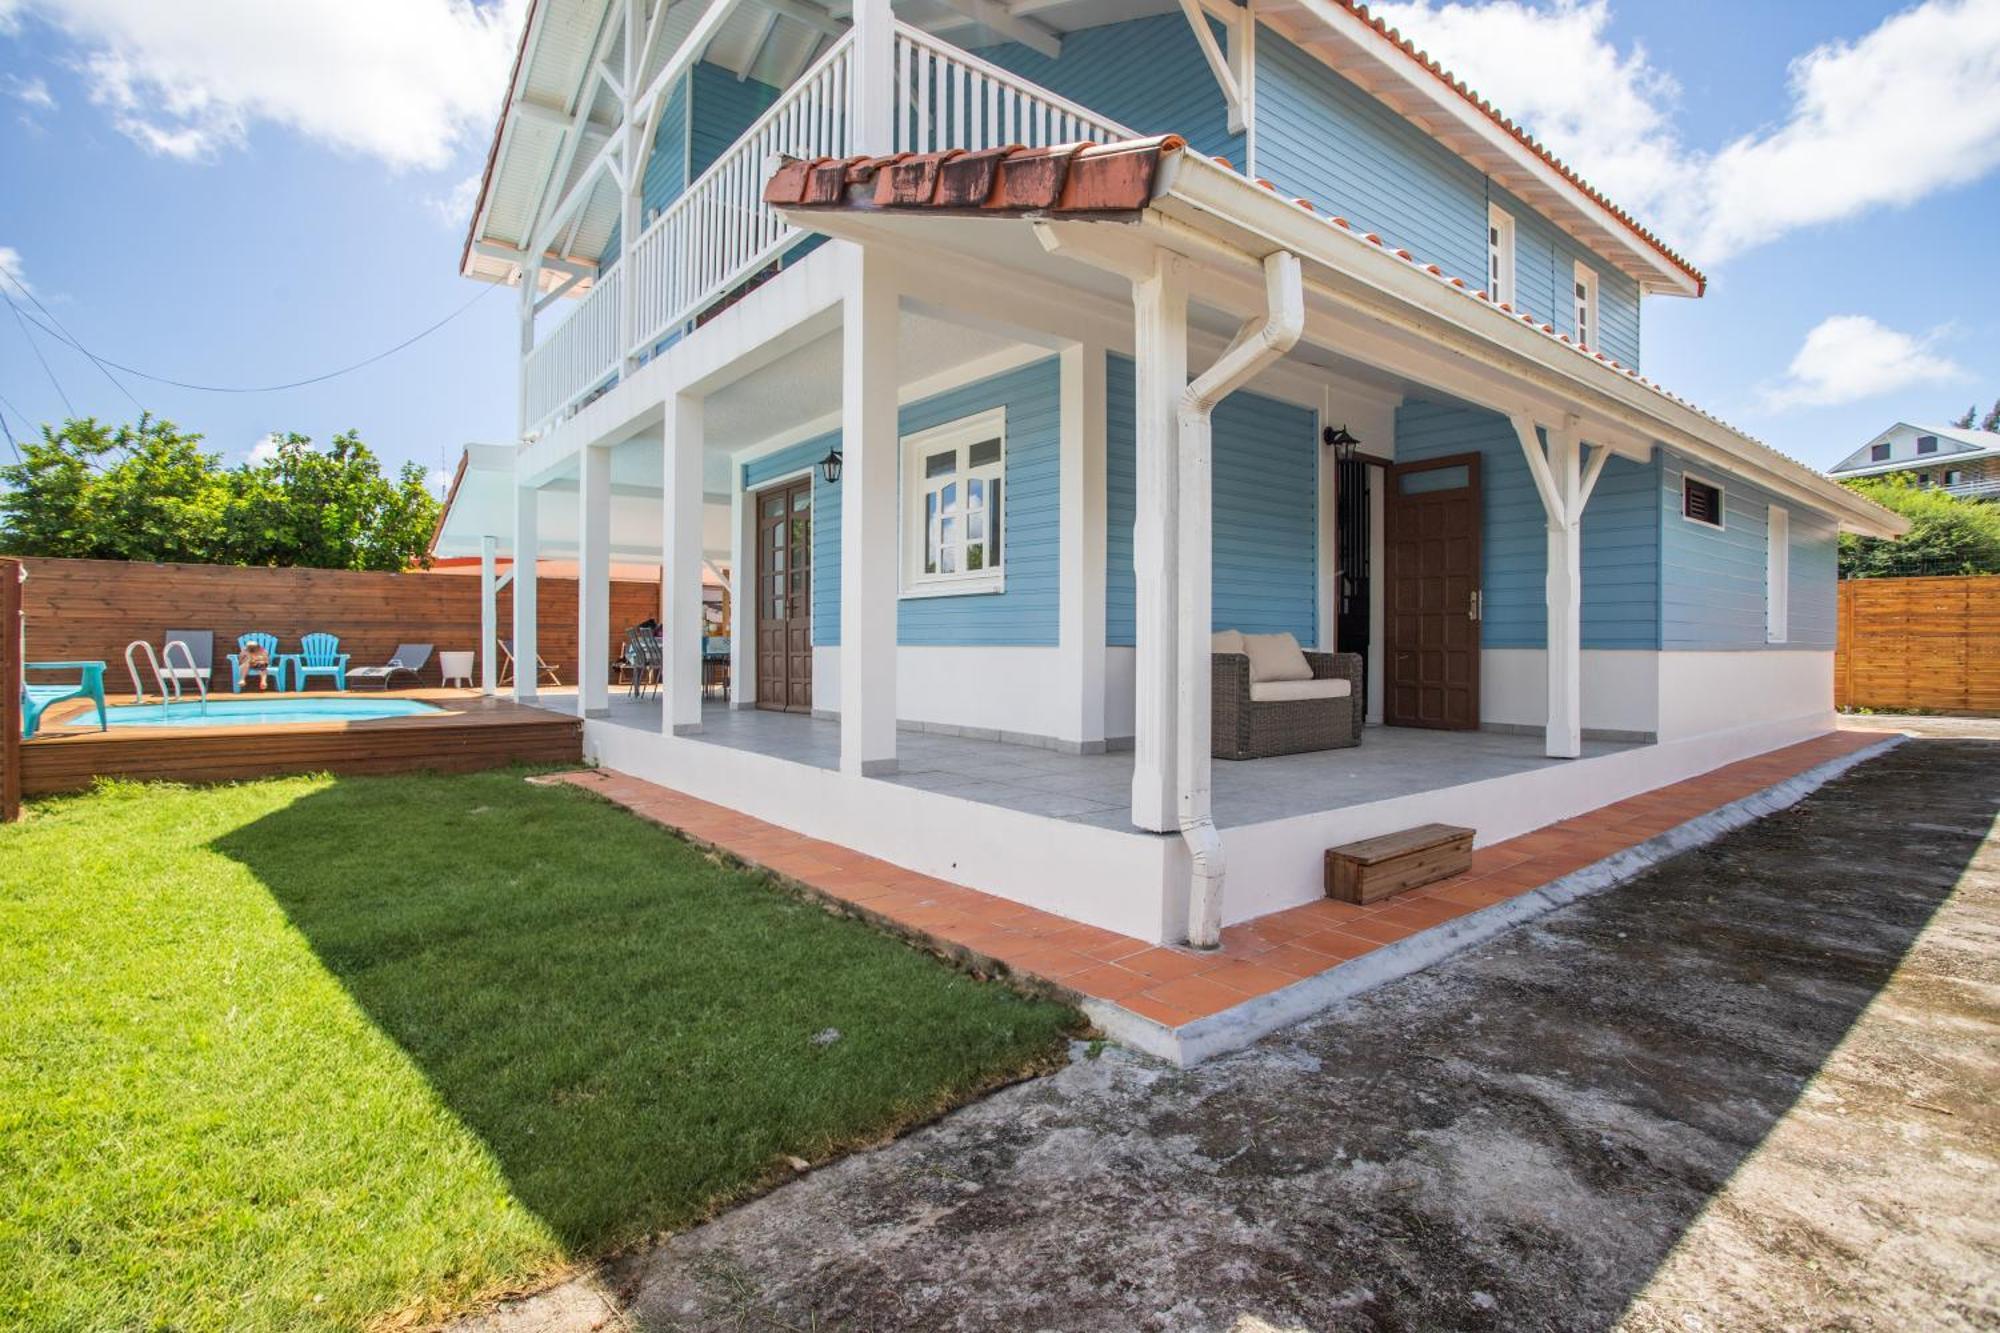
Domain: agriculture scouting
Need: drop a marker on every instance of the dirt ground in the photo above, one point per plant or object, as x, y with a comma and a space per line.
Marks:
1753, 1089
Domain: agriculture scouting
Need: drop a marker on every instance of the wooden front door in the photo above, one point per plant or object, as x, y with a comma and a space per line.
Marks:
1431, 550
784, 597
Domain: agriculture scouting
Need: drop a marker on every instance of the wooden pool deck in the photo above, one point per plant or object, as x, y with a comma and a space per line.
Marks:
472, 733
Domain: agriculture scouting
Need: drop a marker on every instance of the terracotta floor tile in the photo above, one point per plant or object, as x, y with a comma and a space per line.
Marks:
1198, 996
1146, 1005
1381, 932
1108, 981
1297, 961
1249, 978
1164, 964
1338, 946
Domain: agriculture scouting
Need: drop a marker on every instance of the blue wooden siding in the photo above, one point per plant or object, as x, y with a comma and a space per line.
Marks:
1545, 259
724, 106
1026, 613
1713, 583
1147, 74
1321, 138
1621, 558
1266, 549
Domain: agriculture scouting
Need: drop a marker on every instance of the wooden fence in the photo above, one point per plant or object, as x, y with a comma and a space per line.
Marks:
90, 609
1922, 643
10, 691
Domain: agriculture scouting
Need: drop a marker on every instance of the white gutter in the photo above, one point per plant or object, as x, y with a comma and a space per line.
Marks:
1284, 321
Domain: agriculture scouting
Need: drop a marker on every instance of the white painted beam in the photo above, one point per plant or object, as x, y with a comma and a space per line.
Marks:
1002, 21
1160, 340
1080, 492
593, 581
868, 517
680, 568
527, 549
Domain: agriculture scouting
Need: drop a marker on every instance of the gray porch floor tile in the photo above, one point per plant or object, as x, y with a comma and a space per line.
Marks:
1096, 788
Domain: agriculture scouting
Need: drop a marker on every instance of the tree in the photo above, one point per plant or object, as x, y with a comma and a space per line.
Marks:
1991, 421
1965, 422
149, 492
1948, 535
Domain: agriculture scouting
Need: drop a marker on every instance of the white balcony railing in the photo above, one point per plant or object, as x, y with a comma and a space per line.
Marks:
578, 357
718, 233
949, 98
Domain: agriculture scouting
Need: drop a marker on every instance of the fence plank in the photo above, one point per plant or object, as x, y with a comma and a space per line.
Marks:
1928, 643
90, 609
13, 653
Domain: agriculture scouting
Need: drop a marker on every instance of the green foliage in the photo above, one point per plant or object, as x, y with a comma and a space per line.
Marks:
1948, 534
149, 492
1991, 421
337, 1054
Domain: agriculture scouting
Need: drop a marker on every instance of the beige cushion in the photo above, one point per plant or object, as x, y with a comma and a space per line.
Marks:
1226, 641
1283, 691
1275, 657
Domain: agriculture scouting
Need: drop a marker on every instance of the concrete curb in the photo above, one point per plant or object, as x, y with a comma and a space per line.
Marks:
1239, 1027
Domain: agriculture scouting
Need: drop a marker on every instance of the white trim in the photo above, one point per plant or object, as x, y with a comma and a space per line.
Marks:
958, 435
1585, 311
1501, 285
1777, 574
1721, 523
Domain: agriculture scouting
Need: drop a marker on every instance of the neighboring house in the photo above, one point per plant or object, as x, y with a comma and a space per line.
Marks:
955, 468
1957, 459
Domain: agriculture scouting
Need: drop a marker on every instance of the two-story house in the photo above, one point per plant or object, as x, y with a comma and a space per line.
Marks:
829, 298
1955, 459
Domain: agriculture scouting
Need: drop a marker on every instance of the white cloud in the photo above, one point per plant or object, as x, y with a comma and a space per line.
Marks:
406, 81
454, 209
1846, 358
1906, 110
31, 93
264, 451
12, 265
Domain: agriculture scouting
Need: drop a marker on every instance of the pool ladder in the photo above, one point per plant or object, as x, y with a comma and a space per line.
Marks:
173, 688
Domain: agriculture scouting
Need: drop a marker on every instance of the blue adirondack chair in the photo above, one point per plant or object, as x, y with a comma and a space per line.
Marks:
319, 655
269, 643
36, 699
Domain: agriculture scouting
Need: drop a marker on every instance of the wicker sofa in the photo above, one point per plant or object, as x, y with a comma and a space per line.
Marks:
1245, 728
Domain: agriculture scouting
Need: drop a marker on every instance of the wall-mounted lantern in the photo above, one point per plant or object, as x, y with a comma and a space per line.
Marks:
1338, 439
829, 467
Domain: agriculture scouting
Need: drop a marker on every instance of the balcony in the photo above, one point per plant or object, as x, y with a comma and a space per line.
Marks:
718, 234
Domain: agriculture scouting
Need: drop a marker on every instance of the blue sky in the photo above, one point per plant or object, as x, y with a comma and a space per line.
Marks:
290, 199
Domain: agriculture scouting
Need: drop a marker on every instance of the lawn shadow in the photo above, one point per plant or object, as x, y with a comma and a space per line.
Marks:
629, 1026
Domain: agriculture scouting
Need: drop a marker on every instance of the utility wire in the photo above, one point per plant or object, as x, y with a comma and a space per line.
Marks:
116, 383
260, 388
34, 347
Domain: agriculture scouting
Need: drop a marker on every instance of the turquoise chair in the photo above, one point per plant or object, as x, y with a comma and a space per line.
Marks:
36, 699
270, 646
319, 655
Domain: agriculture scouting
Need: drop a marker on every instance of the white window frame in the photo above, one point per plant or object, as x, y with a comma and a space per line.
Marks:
961, 435
1777, 575
1499, 254
1721, 502
1584, 326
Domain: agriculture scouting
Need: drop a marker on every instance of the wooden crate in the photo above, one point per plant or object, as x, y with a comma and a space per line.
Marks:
1372, 869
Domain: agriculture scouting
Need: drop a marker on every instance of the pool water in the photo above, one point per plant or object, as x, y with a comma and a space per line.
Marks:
231, 712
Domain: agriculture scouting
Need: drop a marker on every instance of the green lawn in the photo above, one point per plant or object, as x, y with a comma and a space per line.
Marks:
311, 1052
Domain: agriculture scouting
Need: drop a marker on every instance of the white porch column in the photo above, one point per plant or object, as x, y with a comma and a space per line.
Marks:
489, 616
527, 550
593, 580
1565, 483
680, 569
1081, 523
1160, 341
868, 519
872, 87
742, 595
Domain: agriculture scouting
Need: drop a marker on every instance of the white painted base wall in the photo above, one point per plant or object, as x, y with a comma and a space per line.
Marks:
1620, 688
1012, 691
1105, 878
1707, 692
1281, 864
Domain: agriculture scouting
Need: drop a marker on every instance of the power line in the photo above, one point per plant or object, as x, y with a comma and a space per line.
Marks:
29, 338
260, 388
116, 383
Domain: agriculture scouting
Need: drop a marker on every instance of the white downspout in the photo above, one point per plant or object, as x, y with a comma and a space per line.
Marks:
1285, 317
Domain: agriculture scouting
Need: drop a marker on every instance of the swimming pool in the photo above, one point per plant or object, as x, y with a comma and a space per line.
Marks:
232, 712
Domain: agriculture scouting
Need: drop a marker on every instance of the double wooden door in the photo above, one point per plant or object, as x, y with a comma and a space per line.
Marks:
1431, 554
784, 597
